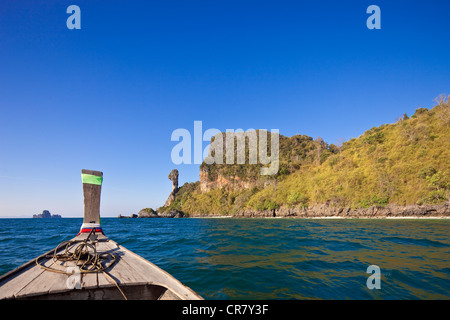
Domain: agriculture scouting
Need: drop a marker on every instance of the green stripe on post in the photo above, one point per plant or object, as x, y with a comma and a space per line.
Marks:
91, 179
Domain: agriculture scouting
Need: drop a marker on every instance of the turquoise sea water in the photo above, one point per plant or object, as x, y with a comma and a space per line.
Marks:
267, 258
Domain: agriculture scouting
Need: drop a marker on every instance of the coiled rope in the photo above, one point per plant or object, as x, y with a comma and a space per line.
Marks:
85, 256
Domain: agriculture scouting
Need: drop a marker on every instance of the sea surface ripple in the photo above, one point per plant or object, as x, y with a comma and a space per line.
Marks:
266, 258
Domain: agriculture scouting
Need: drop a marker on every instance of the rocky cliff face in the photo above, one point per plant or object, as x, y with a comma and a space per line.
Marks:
229, 183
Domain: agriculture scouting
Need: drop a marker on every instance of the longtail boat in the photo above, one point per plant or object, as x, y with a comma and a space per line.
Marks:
91, 266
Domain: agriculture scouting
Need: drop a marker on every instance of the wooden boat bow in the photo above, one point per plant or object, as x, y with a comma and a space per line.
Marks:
91, 266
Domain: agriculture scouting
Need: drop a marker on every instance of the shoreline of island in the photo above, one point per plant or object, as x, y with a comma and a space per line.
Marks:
324, 211
325, 218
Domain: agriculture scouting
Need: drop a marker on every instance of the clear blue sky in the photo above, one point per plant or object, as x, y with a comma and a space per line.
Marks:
107, 97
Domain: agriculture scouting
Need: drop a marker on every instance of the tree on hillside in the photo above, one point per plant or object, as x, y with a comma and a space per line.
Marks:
320, 147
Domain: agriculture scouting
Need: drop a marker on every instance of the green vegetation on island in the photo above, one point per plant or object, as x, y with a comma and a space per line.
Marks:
404, 163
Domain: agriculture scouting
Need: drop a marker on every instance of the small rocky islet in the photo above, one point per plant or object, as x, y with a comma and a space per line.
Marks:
46, 215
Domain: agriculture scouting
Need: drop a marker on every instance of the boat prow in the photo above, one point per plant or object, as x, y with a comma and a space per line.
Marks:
91, 266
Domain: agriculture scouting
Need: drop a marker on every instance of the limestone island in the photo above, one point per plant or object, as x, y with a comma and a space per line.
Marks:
46, 215
397, 170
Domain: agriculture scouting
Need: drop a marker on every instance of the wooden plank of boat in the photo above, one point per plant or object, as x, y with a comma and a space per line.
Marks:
92, 266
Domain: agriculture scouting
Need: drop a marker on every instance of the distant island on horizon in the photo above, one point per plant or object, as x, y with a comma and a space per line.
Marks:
46, 215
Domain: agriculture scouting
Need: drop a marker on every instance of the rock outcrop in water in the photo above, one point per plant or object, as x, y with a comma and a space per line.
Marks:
150, 213
171, 214
173, 176
127, 217
166, 211
46, 215
147, 213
